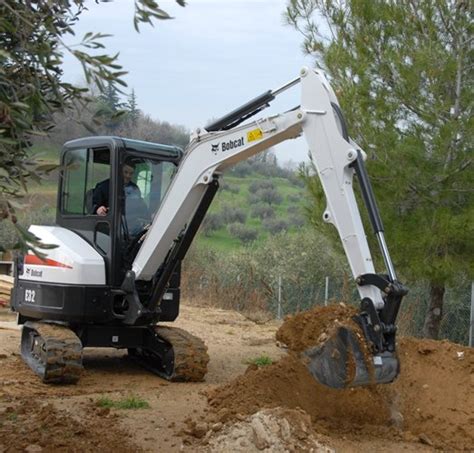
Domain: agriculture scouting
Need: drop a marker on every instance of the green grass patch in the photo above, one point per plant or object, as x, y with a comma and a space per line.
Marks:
131, 402
260, 361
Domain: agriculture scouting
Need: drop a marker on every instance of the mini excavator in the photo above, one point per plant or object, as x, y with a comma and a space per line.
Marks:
114, 274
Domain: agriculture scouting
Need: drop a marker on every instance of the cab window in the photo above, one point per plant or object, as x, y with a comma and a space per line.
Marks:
83, 169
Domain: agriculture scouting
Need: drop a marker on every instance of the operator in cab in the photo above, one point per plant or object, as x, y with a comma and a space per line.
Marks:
136, 211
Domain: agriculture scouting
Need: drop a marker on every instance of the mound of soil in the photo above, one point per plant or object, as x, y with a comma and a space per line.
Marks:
430, 402
277, 430
32, 427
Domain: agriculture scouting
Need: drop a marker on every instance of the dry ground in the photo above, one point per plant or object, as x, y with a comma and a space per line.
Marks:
36, 417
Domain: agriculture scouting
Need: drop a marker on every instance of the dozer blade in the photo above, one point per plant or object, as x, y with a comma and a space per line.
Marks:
342, 362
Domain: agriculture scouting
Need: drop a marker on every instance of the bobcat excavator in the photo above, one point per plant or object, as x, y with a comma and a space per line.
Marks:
114, 274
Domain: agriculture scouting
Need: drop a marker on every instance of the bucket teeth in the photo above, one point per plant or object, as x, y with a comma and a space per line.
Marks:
343, 361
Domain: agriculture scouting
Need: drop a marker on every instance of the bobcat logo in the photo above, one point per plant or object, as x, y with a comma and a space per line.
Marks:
215, 148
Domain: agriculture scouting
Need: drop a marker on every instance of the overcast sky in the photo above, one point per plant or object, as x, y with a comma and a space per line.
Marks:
214, 56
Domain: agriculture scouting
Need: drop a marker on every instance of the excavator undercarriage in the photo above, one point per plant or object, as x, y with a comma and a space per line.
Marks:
55, 352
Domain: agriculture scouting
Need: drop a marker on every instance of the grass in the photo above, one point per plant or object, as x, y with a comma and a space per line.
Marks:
260, 361
131, 402
12, 417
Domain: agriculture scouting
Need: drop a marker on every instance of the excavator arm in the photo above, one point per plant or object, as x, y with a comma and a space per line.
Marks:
337, 158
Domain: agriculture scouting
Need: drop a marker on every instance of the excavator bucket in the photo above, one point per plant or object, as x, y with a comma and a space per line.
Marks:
344, 360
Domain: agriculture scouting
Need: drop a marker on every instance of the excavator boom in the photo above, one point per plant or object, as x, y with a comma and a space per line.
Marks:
337, 158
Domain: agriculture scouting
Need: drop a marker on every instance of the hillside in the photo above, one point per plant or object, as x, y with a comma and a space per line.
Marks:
247, 207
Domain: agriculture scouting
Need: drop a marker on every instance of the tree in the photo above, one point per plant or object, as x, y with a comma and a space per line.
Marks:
32, 50
110, 109
403, 74
133, 112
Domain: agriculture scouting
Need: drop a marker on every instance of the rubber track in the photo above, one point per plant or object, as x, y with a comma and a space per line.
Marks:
190, 354
56, 356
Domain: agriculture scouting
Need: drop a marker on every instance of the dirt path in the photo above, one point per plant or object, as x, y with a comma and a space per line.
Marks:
36, 417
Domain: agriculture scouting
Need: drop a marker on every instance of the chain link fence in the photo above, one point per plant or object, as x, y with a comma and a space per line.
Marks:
289, 276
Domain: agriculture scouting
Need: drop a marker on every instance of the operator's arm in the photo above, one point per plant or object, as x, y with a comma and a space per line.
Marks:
100, 198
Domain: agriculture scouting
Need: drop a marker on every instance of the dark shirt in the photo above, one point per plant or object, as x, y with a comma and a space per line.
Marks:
135, 209
100, 196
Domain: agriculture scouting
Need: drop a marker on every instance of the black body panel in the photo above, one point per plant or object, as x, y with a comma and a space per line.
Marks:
76, 304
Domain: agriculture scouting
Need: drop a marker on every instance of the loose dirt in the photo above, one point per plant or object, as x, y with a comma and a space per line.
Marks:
241, 407
431, 401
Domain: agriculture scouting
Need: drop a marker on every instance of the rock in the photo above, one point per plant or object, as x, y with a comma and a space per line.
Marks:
285, 430
424, 439
33, 448
261, 438
200, 430
217, 426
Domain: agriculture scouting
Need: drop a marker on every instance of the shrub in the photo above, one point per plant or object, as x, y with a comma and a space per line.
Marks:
254, 198
230, 188
243, 233
270, 196
230, 214
211, 222
262, 211
293, 197
260, 184
292, 210
275, 225
242, 169
297, 221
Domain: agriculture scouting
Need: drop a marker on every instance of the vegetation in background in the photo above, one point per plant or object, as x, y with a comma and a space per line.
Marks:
403, 74
32, 50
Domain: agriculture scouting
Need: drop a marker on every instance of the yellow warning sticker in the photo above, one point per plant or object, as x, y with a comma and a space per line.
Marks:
255, 134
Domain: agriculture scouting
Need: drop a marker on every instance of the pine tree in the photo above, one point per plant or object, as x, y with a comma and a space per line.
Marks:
111, 110
403, 74
133, 111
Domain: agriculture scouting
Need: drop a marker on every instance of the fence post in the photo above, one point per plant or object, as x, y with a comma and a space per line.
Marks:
326, 292
471, 325
279, 297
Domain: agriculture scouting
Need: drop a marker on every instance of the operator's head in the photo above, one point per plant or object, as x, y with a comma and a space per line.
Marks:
128, 170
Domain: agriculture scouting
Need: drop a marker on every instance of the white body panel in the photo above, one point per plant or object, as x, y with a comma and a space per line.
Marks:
73, 262
210, 153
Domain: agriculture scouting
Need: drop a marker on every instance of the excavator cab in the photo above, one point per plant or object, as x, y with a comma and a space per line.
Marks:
109, 190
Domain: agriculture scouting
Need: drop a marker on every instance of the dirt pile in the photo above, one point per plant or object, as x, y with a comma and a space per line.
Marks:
431, 401
28, 426
276, 430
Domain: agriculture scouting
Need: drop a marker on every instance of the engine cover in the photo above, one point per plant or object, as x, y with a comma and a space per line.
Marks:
73, 261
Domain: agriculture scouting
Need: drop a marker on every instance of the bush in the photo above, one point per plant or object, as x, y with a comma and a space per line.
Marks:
229, 215
275, 225
270, 196
297, 221
255, 186
262, 211
254, 198
230, 188
292, 210
243, 233
211, 222
242, 169
294, 198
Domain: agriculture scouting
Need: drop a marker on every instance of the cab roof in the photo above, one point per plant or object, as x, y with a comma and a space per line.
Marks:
158, 149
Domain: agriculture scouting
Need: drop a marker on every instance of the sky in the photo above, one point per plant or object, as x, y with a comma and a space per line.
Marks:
212, 57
